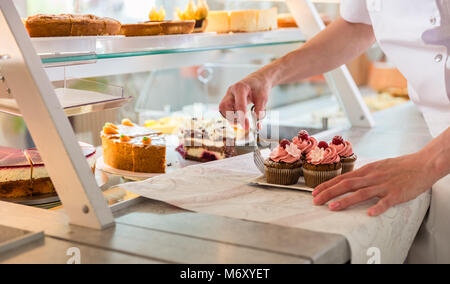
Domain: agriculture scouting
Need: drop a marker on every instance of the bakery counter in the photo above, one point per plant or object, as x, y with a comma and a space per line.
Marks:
150, 231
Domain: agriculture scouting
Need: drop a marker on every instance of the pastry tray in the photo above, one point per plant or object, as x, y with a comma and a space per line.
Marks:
11, 238
300, 186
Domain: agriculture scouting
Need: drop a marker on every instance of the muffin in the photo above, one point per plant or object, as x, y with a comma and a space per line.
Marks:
322, 164
345, 152
283, 167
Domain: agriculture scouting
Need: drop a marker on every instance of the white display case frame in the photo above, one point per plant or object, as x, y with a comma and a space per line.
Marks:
26, 80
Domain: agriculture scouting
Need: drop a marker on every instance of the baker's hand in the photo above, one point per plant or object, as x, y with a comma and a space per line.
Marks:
394, 181
254, 89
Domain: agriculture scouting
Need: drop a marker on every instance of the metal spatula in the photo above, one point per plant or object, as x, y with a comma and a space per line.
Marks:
257, 157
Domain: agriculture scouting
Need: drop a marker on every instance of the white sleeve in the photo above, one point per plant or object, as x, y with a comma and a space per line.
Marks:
355, 11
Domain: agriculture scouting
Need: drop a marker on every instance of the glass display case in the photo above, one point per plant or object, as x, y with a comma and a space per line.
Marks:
166, 76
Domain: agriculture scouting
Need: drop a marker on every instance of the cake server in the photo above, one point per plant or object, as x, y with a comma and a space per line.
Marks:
257, 156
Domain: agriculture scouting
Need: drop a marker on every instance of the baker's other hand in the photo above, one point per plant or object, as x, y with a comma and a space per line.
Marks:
254, 89
394, 181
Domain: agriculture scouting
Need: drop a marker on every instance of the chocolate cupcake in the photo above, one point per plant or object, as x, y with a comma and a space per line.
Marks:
322, 164
305, 143
345, 152
283, 167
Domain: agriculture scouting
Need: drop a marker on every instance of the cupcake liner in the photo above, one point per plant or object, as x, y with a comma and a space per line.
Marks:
315, 178
283, 176
348, 166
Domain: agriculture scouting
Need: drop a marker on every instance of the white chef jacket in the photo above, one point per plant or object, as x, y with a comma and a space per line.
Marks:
415, 36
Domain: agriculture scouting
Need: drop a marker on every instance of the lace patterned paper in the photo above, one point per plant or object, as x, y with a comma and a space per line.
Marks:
220, 188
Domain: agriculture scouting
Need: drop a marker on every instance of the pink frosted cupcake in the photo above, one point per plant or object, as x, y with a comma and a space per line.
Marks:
345, 152
322, 164
305, 142
283, 167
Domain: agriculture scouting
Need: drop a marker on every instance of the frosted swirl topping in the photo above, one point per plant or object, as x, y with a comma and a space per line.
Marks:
344, 150
319, 156
305, 145
289, 155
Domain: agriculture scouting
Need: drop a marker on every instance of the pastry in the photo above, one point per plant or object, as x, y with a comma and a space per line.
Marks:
198, 12
15, 173
112, 27
322, 164
242, 21
283, 167
207, 140
86, 25
133, 148
286, 21
157, 16
267, 20
178, 27
219, 22
143, 29
167, 125
49, 25
345, 152
23, 173
71, 25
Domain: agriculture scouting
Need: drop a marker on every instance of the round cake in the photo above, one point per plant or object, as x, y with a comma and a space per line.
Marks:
133, 148
71, 25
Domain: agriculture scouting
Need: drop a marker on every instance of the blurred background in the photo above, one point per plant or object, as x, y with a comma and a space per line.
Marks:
199, 89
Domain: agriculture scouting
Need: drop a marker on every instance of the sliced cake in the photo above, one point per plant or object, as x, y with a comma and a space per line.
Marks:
133, 148
207, 140
15, 173
23, 173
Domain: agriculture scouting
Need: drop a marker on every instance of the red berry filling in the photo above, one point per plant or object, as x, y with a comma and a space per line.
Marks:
323, 145
303, 135
338, 140
285, 143
208, 157
180, 149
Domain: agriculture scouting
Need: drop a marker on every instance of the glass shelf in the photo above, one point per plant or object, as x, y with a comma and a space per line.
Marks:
78, 97
82, 50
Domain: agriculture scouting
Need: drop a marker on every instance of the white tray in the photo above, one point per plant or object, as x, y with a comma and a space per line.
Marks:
299, 186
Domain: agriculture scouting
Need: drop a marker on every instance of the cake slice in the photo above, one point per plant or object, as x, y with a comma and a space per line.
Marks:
268, 19
133, 148
15, 173
218, 21
244, 21
23, 173
40, 179
207, 140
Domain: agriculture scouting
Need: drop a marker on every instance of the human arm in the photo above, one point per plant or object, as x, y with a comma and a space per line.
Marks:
339, 43
394, 181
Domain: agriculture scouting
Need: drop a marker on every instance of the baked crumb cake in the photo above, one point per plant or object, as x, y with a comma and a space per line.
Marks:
71, 25
133, 148
207, 140
23, 173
